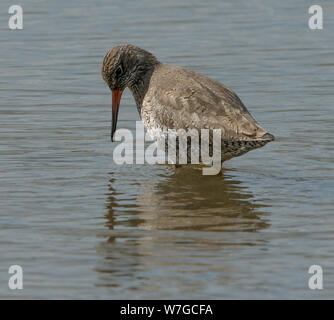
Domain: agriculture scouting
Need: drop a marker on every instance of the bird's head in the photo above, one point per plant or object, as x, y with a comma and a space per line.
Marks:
122, 67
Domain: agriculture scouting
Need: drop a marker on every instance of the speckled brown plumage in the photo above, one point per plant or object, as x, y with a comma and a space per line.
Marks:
170, 97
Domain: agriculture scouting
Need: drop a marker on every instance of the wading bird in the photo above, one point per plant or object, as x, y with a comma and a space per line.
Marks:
173, 98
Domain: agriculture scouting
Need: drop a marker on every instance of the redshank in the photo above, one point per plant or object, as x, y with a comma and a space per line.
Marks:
173, 98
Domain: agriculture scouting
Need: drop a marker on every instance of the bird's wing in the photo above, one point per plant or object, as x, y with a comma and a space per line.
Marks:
184, 99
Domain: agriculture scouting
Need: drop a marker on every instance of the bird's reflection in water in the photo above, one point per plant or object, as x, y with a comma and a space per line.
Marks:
184, 199
161, 226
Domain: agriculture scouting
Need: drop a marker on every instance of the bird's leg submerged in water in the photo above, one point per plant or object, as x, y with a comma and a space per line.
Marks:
212, 171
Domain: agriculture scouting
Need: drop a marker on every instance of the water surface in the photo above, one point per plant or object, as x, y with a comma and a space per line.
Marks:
82, 227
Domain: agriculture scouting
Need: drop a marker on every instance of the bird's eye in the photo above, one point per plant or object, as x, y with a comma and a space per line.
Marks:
119, 71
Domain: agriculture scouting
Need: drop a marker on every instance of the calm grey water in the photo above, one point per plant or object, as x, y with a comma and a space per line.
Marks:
82, 227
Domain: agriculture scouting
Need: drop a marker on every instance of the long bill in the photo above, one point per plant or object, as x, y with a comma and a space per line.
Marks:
116, 99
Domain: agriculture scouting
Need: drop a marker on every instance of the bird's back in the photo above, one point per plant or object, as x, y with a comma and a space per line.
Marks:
179, 98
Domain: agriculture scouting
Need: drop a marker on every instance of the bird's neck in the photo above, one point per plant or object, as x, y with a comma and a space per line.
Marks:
140, 86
